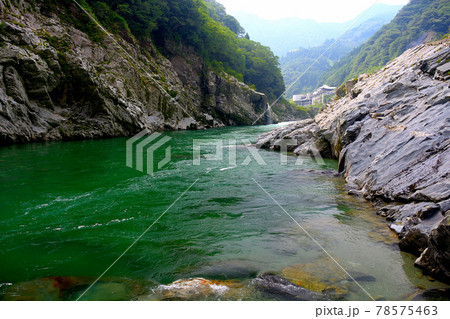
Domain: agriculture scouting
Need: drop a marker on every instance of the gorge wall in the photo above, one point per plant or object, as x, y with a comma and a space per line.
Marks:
391, 133
56, 83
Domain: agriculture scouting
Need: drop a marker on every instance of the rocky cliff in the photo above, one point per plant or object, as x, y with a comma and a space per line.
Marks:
57, 83
391, 133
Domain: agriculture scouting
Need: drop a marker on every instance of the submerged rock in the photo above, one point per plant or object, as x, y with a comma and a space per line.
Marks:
440, 294
70, 287
323, 276
364, 278
330, 173
228, 269
274, 285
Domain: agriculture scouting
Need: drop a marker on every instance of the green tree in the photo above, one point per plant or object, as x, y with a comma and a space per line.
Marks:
418, 21
202, 25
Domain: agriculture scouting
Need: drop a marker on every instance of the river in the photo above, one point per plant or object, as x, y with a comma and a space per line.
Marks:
71, 208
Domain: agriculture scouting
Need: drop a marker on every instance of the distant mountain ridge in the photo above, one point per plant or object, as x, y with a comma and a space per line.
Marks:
296, 62
420, 21
289, 34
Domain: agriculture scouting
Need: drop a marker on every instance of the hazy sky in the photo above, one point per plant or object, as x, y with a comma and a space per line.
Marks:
319, 10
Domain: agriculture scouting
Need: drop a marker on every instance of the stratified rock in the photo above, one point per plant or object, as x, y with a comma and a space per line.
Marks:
349, 85
414, 242
391, 133
14, 85
274, 285
435, 260
57, 84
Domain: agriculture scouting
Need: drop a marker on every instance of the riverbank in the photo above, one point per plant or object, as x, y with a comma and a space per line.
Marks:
391, 133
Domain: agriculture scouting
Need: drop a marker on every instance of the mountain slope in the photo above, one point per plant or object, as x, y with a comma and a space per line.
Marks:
420, 21
296, 62
62, 78
204, 26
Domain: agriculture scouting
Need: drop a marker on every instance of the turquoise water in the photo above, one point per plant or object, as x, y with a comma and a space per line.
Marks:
70, 209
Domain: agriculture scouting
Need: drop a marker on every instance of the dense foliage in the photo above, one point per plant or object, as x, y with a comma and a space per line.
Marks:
202, 25
295, 63
219, 14
300, 66
418, 22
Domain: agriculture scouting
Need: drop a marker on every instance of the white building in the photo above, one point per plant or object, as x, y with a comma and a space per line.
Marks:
302, 99
318, 96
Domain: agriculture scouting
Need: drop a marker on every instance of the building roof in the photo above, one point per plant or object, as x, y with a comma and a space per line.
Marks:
319, 91
300, 97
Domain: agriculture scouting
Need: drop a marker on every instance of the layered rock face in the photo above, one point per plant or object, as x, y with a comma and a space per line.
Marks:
391, 133
58, 84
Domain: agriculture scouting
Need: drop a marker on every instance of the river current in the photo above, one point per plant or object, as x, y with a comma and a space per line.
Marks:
70, 209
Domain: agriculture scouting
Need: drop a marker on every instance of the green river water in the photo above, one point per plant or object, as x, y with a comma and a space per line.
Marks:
71, 208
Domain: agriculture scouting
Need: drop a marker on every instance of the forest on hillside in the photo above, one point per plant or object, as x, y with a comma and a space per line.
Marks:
202, 25
296, 62
418, 22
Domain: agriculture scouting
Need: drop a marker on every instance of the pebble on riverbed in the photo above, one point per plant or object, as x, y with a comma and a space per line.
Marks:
322, 275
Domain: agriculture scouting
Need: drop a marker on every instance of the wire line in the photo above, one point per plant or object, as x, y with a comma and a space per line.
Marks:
317, 60
134, 243
315, 241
